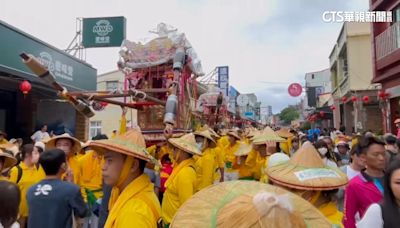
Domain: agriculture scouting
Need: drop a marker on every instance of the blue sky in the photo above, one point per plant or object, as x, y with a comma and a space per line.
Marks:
261, 41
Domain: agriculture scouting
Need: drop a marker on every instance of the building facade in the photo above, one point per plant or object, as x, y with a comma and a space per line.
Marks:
351, 75
386, 60
109, 119
23, 114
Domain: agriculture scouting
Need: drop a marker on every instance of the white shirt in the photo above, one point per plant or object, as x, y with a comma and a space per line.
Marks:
351, 172
329, 163
39, 136
372, 217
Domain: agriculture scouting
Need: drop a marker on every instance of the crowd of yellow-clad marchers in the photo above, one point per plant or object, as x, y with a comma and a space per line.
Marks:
218, 179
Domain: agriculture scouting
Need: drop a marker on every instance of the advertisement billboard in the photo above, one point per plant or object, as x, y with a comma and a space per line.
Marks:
103, 31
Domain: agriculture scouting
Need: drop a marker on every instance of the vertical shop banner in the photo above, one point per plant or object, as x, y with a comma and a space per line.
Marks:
223, 79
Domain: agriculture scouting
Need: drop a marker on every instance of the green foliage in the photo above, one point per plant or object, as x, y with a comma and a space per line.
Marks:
305, 126
289, 114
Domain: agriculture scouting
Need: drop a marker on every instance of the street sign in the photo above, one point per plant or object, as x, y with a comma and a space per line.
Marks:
103, 32
249, 114
223, 79
295, 89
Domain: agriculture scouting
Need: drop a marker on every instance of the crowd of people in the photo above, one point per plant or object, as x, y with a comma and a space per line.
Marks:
210, 177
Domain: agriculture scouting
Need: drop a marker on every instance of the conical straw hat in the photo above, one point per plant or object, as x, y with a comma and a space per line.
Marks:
284, 133
267, 135
206, 134
306, 171
186, 143
76, 147
234, 134
130, 143
243, 149
10, 147
208, 207
9, 160
212, 132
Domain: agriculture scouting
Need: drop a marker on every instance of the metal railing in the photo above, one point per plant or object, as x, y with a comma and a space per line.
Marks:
388, 41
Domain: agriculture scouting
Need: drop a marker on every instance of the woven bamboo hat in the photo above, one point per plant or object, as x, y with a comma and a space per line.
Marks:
10, 147
9, 160
284, 133
233, 134
267, 135
243, 149
247, 204
76, 147
306, 171
206, 134
186, 143
130, 143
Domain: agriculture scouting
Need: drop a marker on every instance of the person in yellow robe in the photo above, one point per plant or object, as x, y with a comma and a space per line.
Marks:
7, 161
90, 179
26, 174
181, 184
229, 156
306, 174
133, 202
245, 171
206, 164
71, 146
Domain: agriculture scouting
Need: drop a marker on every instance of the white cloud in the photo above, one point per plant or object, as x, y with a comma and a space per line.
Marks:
245, 35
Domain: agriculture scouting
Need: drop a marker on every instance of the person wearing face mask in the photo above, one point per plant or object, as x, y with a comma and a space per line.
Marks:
26, 174
265, 143
325, 154
71, 146
181, 184
206, 164
229, 155
308, 176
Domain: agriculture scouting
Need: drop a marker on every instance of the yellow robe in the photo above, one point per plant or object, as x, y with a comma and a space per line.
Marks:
90, 174
180, 186
245, 171
136, 206
331, 212
229, 157
30, 176
205, 168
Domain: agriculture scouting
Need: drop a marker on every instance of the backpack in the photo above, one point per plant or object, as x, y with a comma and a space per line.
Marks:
19, 175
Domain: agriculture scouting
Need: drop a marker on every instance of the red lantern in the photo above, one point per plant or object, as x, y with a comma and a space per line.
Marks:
322, 113
381, 94
344, 99
103, 103
25, 87
333, 107
353, 98
365, 99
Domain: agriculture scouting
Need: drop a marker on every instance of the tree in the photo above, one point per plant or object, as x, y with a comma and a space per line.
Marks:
289, 114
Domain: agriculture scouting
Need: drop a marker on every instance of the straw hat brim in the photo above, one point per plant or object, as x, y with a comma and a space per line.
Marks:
51, 144
201, 210
233, 134
262, 139
284, 134
122, 147
10, 147
205, 135
185, 146
9, 161
294, 176
243, 150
